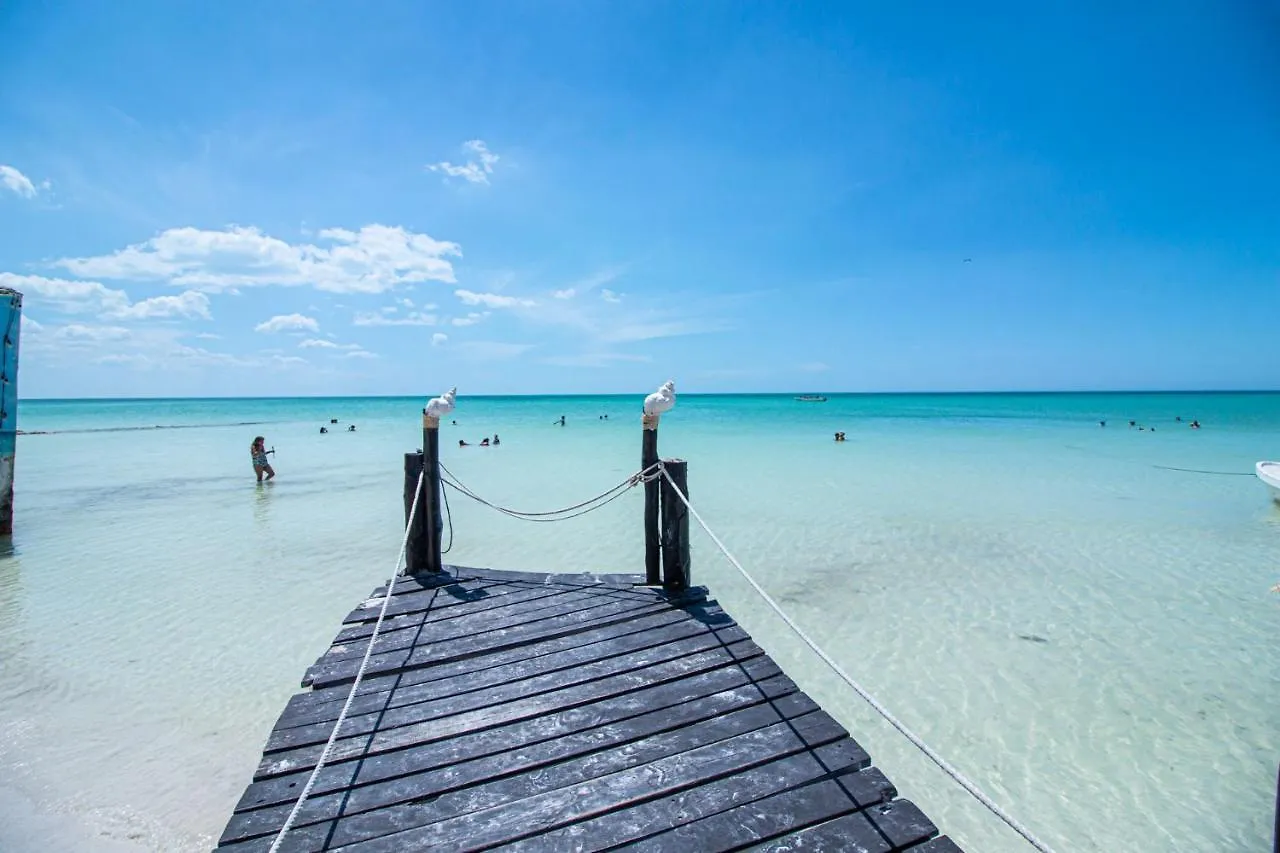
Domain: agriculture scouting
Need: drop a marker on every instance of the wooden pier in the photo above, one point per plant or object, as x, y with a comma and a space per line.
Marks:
556, 712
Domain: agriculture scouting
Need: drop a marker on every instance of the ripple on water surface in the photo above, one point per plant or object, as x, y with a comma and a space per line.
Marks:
1080, 631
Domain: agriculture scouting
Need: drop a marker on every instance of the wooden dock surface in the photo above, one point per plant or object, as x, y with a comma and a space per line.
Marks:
547, 712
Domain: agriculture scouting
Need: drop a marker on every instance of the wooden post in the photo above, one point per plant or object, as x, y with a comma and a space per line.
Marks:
415, 554
430, 506
675, 526
11, 322
652, 536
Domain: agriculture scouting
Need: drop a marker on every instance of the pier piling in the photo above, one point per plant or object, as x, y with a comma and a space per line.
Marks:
429, 508
652, 535
675, 526
418, 545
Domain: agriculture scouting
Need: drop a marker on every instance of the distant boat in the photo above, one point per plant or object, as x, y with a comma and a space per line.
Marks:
811, 398
1269, 473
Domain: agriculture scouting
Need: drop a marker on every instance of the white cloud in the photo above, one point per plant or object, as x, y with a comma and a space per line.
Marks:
595, 359
189, 303
374, 259
92, 297
79, 332
319, 343
124, 358
471, 319
17, 182
815, 367
407, 303
588, 284
663, 329
477, 169
438, 338
609, 296
491, 350
144, 348
72, 297
413, 318
360, 353
208, 336
288, 323
390, 309
493, 300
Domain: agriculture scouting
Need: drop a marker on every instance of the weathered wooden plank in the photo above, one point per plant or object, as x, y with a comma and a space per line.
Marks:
380, 685
424, 704
666, 677
415, 611
669, 640
429, 580
611, 721
563, 761
941, 844
359, 622
515, 610
572, 578
479, 597
436, 647
842, 758
483, 827
511, 611
412, 600
542, 712
890, 826
784, 812
902, 823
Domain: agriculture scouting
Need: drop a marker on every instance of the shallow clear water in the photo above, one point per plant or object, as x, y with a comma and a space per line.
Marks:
1084, 631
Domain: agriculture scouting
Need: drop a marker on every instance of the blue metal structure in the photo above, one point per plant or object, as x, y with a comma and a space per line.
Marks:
11, 322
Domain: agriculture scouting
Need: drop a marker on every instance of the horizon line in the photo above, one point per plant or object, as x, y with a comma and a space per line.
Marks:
968, 393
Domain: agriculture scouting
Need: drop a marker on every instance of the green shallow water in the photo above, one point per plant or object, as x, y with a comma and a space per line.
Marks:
158, 607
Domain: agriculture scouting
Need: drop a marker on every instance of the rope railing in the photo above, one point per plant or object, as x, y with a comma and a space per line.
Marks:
648, 474
564, 513
884, 712
364, 664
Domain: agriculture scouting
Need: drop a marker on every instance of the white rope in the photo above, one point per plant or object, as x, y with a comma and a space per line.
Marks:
368, 652
871, 700
591, 504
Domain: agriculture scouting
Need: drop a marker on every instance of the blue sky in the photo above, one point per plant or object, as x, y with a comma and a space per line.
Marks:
296, 198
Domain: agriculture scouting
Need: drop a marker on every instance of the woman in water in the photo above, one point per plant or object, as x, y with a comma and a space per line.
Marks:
258, 451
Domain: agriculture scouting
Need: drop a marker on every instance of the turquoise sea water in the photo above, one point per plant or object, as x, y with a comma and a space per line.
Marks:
1085, 630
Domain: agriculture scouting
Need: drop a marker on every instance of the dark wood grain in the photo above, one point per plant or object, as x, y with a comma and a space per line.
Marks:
527, 711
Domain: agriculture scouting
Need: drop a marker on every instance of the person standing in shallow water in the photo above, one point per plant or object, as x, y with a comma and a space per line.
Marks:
258, 451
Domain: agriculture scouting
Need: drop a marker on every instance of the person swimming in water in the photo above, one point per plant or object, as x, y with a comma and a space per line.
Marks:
351, 428
496, 442
462, 443
258, 452
484, 442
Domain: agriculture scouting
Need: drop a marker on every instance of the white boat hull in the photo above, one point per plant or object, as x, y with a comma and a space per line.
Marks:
1269, 473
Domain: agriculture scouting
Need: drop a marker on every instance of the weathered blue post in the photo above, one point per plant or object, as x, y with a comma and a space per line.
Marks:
11, 321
